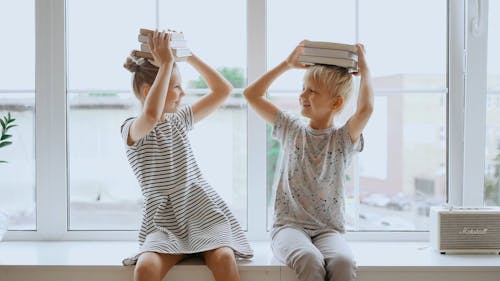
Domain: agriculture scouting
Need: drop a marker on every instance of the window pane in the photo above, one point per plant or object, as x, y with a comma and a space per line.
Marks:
304, 21
17, 96
219, 38
492, 173
104, 193
284, 32
402, 170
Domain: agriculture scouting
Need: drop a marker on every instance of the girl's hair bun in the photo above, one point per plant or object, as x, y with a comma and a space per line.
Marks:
131, 65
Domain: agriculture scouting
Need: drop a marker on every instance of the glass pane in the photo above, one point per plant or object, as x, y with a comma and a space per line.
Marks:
17, 97
492, 172
104, 193
301, 21
402, 170
284, 32
219, 38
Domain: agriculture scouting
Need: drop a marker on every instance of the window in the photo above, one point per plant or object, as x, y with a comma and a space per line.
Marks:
77, 183
402, 170
104, 194
492, 167
17, 97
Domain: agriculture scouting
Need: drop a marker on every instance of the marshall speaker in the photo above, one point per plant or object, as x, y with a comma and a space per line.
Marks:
465, 230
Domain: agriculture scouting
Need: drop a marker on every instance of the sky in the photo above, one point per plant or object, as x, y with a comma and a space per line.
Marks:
408, 37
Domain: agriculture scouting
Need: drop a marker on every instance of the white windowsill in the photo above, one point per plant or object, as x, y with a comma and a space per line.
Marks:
382, 258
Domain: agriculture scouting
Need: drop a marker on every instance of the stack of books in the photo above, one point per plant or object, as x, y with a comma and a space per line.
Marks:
329, 53
177, 43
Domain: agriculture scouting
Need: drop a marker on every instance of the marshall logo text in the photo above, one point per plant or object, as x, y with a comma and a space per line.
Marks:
473, 231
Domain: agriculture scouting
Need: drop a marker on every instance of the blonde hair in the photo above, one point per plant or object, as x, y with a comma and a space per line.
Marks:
144, 73
337, 80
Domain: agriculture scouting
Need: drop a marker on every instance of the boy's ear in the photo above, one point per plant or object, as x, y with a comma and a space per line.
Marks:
337, 103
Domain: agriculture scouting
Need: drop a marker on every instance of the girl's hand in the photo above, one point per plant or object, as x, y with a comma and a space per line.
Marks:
362, 65
159, 44
292, 60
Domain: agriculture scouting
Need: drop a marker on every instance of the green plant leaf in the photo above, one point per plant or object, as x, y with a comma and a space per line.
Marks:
11, 120
5, 143
4, 137
1, 161
10, 126
2, 123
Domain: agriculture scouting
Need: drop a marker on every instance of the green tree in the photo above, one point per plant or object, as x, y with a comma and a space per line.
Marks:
492, 184
235, 76
273, 153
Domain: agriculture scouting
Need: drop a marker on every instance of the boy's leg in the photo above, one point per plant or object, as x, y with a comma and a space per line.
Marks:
222, 263
293, 247
339, 259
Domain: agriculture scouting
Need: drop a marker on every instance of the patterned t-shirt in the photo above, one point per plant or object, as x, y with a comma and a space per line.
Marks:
310, 180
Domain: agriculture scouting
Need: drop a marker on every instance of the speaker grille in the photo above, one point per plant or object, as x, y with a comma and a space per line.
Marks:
470, 231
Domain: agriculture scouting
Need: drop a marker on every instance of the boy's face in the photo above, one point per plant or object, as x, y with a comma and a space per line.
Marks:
316, 101
175, 92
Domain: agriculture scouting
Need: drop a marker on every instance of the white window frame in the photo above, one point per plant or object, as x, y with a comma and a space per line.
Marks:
466, 81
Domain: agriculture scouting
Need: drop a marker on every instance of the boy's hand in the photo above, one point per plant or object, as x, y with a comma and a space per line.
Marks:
159, 44
292, 60
362, 65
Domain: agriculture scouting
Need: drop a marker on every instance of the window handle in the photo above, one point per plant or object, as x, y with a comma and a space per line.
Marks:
477, 20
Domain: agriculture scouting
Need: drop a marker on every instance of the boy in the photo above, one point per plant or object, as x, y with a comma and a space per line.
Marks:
309, 206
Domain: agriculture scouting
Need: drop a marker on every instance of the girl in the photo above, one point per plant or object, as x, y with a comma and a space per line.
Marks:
309, 206
182, 214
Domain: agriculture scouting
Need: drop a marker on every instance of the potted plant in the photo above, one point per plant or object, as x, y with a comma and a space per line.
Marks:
7, 123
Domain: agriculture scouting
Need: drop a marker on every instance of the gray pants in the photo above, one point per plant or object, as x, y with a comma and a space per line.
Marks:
314, 256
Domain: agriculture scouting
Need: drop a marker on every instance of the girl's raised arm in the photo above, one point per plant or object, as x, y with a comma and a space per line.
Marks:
155, 94
220, 89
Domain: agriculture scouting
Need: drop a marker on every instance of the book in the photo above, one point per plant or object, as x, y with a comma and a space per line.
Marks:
177, 44
181, 52
173, 44
148, 32
141, 54
144, 39
178, 53
347, 63
317, 52
330, 45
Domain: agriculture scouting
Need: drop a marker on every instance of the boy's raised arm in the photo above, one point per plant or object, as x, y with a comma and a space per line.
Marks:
365, 98
255, 93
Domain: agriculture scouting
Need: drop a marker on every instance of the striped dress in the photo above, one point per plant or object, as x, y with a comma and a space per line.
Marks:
182, 213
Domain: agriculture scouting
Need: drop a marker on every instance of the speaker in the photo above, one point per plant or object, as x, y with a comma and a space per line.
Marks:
465, 230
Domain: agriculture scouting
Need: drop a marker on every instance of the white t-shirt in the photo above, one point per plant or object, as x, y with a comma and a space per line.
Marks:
310, 182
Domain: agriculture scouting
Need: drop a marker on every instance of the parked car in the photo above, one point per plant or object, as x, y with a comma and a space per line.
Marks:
376, 199
400, 202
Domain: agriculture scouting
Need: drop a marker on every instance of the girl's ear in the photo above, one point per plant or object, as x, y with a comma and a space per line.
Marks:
337, 103
144, 91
